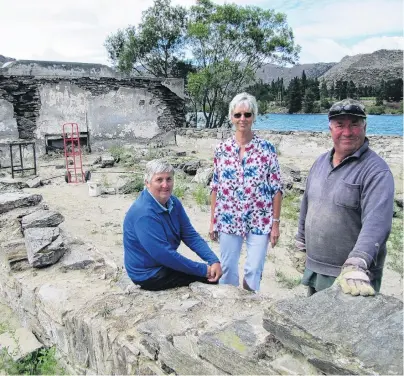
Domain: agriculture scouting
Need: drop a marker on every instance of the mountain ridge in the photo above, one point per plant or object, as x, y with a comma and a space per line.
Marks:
367, 69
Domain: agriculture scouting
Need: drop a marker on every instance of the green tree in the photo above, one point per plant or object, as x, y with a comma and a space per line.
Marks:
332, 90
316, 88
324, 102
379, 96
338, 89
115, 44
351, 90
308, 101
262, 107
323, 90
156, 47
303, 83
394, 90
229, 43
294, 96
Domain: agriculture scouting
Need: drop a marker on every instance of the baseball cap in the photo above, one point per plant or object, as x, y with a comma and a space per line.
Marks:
347, 107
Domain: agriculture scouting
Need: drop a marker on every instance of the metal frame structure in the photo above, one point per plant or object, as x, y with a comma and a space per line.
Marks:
72, 150
20, 167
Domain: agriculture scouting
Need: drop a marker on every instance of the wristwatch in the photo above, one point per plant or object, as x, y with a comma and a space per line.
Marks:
276, 220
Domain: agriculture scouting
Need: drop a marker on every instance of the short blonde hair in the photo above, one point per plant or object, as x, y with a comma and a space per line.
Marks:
246, 99
157, 166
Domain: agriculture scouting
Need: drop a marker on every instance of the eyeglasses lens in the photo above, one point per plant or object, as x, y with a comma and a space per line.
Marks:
239, 114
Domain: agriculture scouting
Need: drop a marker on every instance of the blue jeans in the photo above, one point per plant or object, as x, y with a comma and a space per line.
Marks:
230, 250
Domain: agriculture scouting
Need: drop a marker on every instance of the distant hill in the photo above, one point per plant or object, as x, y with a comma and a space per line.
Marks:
271, 72
5, 59
367, 69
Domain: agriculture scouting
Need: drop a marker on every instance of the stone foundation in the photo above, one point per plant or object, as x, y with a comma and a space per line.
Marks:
102, 324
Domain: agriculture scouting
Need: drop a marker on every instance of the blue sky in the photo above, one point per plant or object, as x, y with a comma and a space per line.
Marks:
75, 30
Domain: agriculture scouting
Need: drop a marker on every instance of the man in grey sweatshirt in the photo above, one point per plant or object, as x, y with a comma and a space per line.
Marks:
347, 209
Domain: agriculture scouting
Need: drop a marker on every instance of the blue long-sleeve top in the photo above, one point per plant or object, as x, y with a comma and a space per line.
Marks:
152, 234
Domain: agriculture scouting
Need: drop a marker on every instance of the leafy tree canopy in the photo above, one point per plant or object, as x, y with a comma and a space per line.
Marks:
226, 43
229, 43
156, 47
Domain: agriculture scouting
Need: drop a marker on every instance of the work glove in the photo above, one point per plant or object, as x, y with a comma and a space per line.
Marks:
299, 256
354, 279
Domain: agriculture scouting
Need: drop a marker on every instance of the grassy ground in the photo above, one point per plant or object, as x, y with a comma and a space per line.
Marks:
395, 245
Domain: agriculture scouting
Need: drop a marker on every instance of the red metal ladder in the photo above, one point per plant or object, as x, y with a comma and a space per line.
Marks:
71, 143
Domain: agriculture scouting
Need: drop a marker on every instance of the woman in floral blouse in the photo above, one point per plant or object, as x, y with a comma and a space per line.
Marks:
246, 196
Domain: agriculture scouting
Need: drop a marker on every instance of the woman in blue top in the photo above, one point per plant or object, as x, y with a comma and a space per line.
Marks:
153, 229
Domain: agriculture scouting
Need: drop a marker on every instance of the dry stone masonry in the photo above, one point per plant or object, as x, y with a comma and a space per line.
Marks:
101, 323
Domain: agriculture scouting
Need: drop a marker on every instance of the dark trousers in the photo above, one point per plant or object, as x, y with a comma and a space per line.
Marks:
167, 278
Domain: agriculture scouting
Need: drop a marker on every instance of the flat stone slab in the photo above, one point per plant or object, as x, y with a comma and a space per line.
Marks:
79, 257
42, 218
238, 348
20, 343
34, 182
107, 161
44, 246
17, 183
12, 252
340, 333
12, 200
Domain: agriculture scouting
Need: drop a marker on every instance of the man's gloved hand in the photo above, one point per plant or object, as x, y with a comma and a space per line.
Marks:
353, 278
299, 256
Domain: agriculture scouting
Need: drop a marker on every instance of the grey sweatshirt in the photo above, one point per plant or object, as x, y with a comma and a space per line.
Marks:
347, 211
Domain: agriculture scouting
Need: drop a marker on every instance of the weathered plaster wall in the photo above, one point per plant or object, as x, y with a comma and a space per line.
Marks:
60, 103
126, 114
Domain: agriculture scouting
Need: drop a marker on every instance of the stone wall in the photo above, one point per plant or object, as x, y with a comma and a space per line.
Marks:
101, 323
42, 97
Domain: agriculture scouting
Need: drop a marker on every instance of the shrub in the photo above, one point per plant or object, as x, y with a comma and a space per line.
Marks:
179, 190
117, 152
291, 207
395, 245
286, 280
376, 110
135, 185
40, 362
201, 195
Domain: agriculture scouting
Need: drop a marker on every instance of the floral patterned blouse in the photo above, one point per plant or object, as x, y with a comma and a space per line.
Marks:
245, 188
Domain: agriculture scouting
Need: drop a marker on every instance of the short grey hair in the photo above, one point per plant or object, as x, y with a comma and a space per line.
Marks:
246, 99
157, 166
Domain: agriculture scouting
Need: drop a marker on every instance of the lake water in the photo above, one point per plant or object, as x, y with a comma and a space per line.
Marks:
376, 124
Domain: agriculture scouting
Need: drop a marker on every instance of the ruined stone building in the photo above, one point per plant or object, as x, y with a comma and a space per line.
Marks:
38, 97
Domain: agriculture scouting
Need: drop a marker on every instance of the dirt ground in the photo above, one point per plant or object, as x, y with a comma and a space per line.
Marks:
98, 220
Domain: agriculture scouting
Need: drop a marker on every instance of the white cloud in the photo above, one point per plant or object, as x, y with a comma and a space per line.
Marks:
346, 19
75, 30
322, 50
328, 50
378, 43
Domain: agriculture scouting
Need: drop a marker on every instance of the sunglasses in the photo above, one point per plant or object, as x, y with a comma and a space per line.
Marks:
350, 109
238, 115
